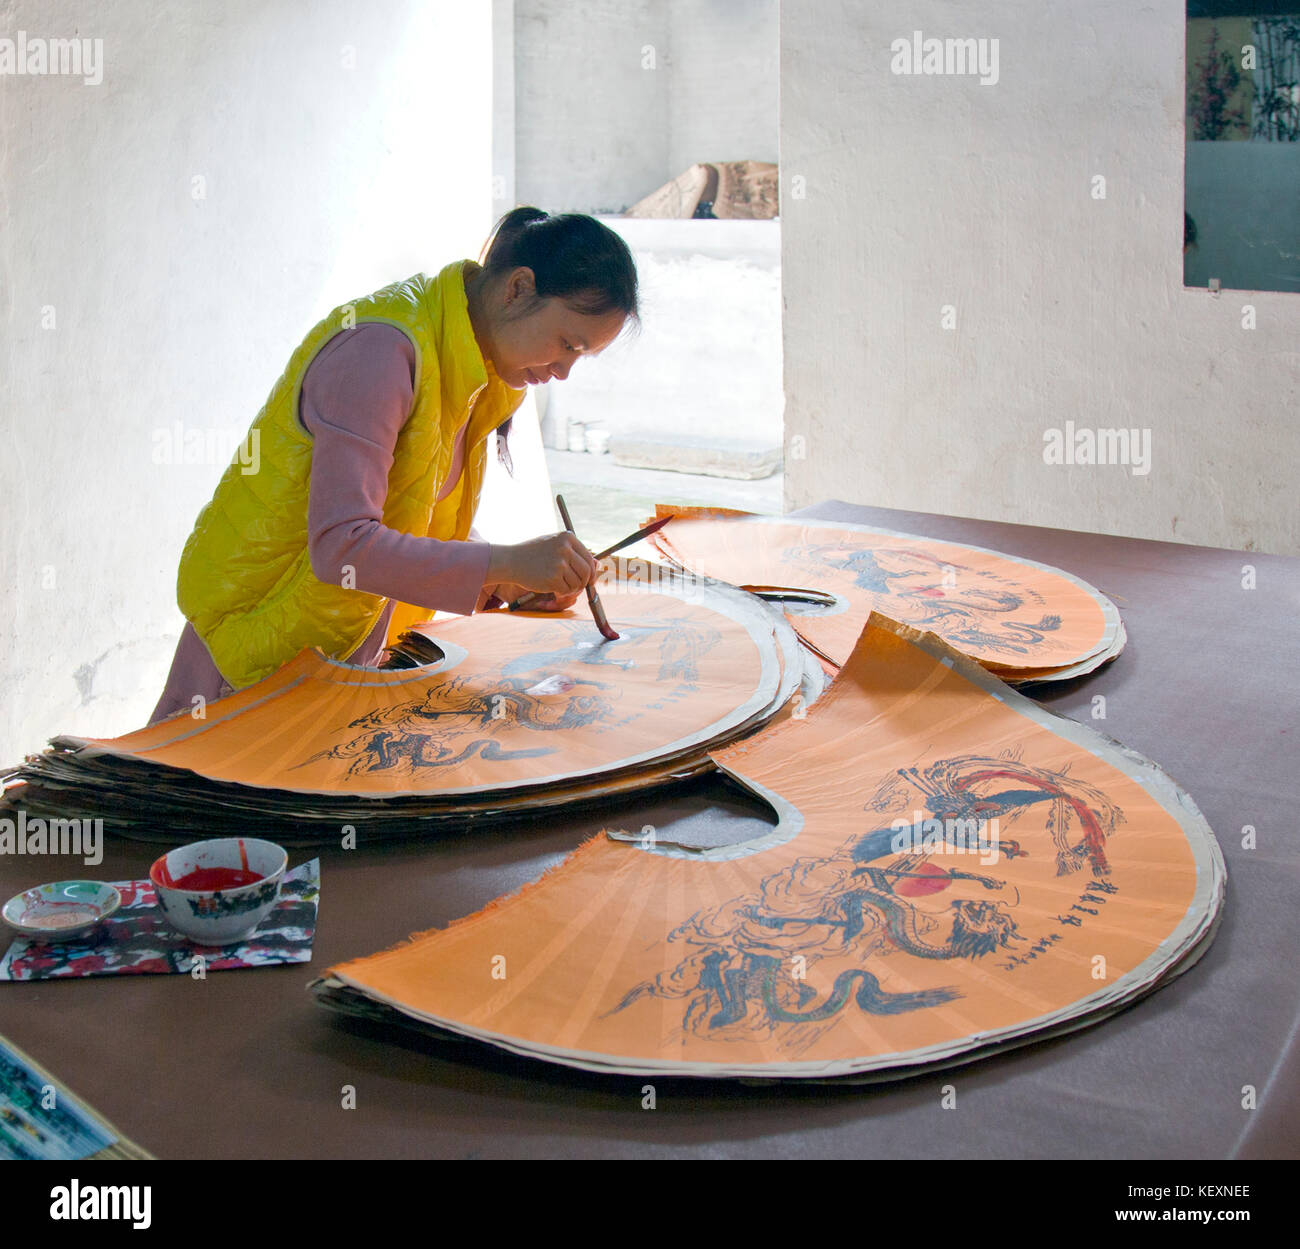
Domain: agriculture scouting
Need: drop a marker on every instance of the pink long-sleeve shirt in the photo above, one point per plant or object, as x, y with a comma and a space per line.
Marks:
354, 400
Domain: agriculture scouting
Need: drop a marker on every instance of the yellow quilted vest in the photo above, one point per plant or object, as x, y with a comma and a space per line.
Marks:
245, 579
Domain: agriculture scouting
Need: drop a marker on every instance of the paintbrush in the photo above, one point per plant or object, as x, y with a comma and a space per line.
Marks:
593, 599
532, 596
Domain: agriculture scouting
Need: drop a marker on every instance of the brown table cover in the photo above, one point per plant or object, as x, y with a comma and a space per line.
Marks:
245, 1064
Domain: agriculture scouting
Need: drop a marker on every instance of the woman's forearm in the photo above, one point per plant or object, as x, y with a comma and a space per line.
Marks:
365, 555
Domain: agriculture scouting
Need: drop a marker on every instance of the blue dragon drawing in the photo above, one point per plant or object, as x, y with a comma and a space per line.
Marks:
917, 585
857, 904
455, 718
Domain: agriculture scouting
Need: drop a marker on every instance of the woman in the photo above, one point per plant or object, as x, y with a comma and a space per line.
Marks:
352, 516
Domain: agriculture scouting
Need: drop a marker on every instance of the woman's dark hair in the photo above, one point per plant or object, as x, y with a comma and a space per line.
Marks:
573, 257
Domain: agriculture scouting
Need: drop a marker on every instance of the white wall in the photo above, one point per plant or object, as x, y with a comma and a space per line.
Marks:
927, 191
503, 108
724, 82
341, 147
600, 123
591, 125
707, 359
517, 504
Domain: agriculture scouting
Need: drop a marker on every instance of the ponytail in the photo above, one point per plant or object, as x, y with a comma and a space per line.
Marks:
574, 258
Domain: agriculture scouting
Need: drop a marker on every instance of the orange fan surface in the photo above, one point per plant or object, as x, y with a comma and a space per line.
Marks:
1021, 619
955, 870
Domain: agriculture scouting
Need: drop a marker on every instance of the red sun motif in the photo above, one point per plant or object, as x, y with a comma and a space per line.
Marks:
927, 878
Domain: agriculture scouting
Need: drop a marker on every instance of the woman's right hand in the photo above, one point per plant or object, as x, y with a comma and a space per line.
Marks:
556, 564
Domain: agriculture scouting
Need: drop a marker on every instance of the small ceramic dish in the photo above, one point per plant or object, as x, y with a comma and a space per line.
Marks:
61, 911
217, 892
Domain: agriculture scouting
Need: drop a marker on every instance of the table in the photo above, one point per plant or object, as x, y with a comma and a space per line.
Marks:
245, 1064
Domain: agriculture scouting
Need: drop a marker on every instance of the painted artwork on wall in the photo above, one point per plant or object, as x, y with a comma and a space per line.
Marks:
1241, 213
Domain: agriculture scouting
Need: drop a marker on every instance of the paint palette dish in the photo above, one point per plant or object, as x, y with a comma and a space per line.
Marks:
61, 910
217, 892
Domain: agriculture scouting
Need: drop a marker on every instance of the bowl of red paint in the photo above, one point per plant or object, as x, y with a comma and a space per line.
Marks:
217, 892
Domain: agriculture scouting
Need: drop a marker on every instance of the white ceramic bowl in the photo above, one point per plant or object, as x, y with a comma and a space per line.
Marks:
218, 916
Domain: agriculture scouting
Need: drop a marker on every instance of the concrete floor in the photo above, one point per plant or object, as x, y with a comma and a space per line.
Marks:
607, 501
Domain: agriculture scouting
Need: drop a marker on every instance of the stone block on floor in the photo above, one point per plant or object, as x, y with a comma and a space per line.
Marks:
712, 456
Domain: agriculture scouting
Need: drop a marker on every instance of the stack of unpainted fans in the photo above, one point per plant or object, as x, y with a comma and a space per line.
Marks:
474, 718
1021, 620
